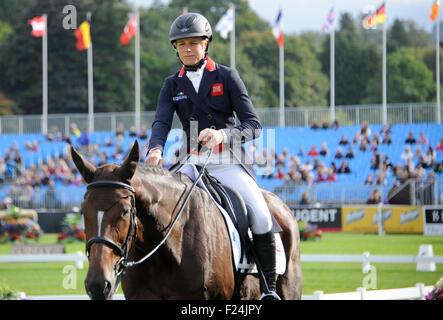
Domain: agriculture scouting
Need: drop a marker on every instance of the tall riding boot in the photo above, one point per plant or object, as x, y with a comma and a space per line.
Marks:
264, 247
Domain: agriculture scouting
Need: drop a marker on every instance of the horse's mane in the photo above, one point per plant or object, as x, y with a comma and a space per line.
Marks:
145, 169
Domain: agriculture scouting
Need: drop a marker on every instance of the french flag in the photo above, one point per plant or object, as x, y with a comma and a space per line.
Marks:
277, 29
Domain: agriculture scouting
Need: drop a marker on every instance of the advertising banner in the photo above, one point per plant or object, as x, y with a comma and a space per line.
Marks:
433, 220
396, 219
327, 219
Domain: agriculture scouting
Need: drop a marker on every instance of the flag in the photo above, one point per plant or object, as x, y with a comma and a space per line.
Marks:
83, 35
129, 31
226, 23
277, 29
329, 21
373, 19
184, 11
434, 10
38, 26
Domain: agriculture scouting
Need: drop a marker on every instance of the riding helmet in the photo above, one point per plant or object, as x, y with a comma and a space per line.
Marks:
190, 25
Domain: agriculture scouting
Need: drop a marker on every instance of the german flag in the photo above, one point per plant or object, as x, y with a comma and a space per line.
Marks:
378, 17
83, 35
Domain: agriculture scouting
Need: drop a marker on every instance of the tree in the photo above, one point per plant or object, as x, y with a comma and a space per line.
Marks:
408, 80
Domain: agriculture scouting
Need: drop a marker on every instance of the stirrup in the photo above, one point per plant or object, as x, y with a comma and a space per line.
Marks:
271, 295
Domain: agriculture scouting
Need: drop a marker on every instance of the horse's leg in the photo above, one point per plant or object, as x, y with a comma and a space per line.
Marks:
289, 285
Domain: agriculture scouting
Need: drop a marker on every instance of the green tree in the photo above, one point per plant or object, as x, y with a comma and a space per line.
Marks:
408, 80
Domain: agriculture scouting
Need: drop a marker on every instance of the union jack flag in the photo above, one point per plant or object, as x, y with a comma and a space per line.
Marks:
327, 26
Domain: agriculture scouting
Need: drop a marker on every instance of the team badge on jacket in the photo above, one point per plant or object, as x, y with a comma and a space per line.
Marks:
180, 96
217, 89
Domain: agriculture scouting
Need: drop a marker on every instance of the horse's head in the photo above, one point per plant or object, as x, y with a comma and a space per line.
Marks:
110, 219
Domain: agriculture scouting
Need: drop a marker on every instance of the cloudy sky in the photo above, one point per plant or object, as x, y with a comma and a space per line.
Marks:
302, 15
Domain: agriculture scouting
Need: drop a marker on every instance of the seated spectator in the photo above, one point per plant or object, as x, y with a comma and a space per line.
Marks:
132, 132
417, 153
339, 154
314, 125
109, 142
333, 167
325, 124
261, 159
374, 198
324, 150
118, 153
143, 133
375, 161
74, 130
369, 180
320, 177
120, 131
83, 140
280, 174
344, 168
374, 145
304, 199
410, 139
103, 159
268, 172
313, 152
365, 131
431, 157
331, 177
387, 162
350, 153
387, 138
439, 146
420, 172
335, 124
406, 154
423, 140
363, 145
343, 141
381, 179
376, 138
300, 152
292, 178
386, 127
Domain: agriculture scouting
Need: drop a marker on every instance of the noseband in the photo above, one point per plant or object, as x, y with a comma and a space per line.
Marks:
121, 251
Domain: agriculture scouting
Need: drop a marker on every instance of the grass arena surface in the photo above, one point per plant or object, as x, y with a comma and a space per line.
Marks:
47, 278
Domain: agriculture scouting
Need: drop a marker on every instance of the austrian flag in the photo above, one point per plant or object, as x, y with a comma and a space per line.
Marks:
38, 26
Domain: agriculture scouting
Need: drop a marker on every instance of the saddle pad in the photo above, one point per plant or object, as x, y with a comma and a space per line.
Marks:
243, 266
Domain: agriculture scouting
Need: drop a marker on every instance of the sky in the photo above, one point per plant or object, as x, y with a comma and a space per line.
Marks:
304, 15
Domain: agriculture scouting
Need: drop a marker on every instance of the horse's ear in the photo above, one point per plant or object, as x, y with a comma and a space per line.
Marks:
130, 163
86, 168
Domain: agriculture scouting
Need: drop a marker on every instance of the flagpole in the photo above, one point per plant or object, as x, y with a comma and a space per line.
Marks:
90, 84
137, 73
332, 71
45, 76
233, 38
437, 67
384, 108
282, 86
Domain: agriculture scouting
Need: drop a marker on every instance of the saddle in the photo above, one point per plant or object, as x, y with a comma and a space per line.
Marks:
235, 206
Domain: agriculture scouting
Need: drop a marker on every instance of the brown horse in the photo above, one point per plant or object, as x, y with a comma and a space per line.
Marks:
129, 209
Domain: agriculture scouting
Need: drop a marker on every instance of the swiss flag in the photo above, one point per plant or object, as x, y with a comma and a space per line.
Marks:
38, 26
129, 31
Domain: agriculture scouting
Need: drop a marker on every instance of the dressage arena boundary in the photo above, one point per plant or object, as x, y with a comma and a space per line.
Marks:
79, 257
417, 293
414, 293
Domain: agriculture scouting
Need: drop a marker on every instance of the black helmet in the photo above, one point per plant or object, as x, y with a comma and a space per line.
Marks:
190, 25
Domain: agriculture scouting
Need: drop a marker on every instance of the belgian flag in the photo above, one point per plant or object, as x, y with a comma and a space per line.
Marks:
83, 35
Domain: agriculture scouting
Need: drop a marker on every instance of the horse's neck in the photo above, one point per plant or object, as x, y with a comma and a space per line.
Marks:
158, 198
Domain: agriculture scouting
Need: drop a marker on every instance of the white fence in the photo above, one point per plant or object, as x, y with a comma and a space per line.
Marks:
416, 293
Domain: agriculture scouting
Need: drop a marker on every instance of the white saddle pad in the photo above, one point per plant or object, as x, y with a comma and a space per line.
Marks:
243, 266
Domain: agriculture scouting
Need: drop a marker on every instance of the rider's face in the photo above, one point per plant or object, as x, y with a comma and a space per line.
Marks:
191, 50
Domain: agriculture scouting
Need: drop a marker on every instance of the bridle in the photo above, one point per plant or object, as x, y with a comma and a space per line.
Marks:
121, 251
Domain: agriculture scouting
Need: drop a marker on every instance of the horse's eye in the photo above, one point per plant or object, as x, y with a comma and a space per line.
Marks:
125, 212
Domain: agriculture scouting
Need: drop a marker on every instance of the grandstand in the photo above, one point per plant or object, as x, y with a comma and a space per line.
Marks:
349, 188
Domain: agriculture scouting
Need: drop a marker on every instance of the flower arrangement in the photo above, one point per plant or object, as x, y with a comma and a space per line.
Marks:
437, 292
309, 231
72, 231
18, 229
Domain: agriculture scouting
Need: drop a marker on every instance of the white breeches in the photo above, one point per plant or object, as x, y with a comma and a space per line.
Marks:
236, 177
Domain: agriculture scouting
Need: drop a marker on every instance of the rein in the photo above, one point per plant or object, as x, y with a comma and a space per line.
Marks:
123, 251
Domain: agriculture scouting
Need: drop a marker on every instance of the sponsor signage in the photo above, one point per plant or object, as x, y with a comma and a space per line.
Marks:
38, 249
396, 219
324, 218
433, 220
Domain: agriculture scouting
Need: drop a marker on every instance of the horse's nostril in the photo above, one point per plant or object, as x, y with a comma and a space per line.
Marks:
107, 288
